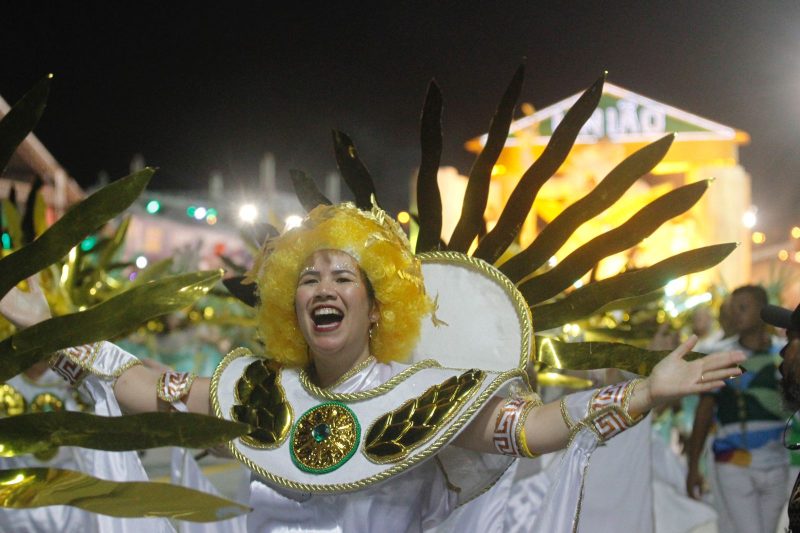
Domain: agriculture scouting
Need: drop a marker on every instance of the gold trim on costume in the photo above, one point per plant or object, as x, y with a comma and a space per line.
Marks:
522, 440
521, 306
172, 386
325, 394
407, 463
352, 372
392, 436
84, 356
608, 410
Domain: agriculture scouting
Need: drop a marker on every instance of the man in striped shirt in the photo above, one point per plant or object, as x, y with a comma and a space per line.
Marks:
750, 463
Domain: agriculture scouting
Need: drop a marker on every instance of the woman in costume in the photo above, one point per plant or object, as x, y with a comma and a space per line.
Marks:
345, 436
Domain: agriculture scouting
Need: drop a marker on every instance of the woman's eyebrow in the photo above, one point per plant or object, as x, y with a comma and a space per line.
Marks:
309, 271
342, 270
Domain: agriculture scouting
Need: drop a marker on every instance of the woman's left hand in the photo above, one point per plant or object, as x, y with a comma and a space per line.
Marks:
674, 377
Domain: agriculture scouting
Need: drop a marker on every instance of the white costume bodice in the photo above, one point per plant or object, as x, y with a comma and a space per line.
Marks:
407, 502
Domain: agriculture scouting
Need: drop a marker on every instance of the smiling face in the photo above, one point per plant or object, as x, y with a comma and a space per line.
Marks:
334, 309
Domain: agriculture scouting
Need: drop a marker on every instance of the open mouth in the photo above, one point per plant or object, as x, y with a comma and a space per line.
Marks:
326, 318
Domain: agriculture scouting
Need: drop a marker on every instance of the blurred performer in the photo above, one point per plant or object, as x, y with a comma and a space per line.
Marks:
790, 385
751, 466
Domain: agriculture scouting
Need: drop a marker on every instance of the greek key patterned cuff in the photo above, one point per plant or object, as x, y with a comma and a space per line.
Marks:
609, 409
172, 386
509, 431
101, 359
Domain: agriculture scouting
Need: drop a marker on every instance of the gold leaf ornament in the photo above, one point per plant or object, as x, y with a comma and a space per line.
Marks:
394, 435
261, 403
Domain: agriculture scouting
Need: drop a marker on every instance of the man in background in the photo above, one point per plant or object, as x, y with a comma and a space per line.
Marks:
790, 386
750, 463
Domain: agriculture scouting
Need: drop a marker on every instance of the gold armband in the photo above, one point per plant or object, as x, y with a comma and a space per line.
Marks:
72, 363
609, 412
172, 386
509, 430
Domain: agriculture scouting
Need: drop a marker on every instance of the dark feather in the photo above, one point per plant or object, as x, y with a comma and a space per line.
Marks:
247, 293
429, 199
521, 199
307, 191
469, 225
607, 192
636, 228
353, 171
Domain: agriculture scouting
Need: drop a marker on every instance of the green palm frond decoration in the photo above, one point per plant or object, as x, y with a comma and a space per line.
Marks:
38, 248
29, 488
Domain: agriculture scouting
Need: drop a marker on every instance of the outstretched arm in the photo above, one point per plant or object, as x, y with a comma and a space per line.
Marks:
135, 391
136, 388
545, 429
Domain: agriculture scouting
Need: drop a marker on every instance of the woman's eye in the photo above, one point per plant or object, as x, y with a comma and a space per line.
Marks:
308, 281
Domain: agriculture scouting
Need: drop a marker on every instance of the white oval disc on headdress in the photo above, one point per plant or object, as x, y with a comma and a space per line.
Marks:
481, 319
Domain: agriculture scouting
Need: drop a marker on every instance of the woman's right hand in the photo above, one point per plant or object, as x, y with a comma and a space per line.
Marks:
25, 308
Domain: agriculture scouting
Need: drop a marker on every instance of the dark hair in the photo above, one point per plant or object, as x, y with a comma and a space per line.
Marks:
756, 291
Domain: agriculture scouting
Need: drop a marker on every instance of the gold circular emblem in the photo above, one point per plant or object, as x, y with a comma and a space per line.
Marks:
12, 402
46, 403
324, 438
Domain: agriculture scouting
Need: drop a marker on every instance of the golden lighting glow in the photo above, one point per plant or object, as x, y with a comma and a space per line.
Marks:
19, 478
796, 232
783, 255
208, 313
499, 170
671, 167
797, 256
759, 237
548, 355
403, 217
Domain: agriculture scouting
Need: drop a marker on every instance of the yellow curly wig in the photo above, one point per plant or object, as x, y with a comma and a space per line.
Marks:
382, 251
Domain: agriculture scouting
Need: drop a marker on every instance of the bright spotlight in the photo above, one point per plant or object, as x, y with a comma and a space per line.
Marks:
749, 218
200, 213
248, 213
292, 221
141, 262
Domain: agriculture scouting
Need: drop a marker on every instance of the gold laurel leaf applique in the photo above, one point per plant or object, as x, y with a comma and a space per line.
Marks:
392, 436
261, 403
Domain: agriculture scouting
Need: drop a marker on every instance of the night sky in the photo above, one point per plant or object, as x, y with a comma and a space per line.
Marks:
200, 87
